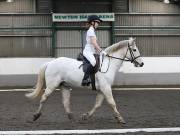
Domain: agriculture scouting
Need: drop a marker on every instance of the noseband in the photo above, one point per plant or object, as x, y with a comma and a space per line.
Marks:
132, 59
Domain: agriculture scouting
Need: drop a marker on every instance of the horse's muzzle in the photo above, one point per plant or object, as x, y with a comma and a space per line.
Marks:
142, 64
138, 64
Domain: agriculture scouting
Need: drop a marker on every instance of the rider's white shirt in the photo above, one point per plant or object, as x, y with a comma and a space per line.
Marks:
89, 47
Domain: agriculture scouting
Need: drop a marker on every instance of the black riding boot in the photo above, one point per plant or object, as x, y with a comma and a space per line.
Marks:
87, 69
86, 79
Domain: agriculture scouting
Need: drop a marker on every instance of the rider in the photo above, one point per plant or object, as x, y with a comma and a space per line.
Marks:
91, 46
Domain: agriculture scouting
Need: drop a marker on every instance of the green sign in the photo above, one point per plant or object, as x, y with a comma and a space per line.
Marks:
80, 17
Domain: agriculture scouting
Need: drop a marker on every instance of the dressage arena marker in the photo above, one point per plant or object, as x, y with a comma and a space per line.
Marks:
99, 131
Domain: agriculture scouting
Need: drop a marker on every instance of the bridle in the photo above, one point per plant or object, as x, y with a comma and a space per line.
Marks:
132, 59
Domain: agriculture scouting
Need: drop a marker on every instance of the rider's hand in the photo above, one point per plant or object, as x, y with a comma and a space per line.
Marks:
104, 53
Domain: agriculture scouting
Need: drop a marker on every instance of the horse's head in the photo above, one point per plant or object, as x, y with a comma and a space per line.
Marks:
126, 51
133, 53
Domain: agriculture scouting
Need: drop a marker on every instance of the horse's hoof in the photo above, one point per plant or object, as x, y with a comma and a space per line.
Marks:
85, 116
36, 116
121, 121
71, 116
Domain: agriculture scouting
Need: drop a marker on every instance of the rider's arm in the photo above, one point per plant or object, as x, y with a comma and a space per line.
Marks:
95, 44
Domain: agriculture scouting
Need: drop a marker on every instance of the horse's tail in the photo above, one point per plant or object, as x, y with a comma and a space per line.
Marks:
40, 84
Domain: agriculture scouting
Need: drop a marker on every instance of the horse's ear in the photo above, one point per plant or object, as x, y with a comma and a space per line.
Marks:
131, 38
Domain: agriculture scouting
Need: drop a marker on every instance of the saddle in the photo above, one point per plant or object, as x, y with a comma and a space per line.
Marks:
88, 68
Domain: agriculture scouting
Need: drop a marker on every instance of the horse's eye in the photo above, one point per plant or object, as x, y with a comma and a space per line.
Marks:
134, 50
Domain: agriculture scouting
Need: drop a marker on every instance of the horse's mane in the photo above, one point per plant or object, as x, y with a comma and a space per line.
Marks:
116, 46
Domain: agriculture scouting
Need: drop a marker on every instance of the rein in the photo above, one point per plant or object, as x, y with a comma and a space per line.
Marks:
133, 58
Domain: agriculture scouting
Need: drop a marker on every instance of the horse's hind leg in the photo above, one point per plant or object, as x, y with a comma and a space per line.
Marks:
98, 103
66, 94
44, 97
109, 97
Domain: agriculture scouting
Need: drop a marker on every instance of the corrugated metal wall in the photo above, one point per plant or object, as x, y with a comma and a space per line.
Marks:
81, 6
43, 6
152, 6
18, 6
25, 35
120, 6
156, 26
69, 41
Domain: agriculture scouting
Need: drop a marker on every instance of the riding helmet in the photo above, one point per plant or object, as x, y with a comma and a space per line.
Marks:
92, 18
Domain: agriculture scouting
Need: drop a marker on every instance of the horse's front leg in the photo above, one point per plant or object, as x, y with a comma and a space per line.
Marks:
109, 97
98, 103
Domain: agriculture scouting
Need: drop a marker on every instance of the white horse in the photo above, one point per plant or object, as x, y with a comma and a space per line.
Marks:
63, 71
